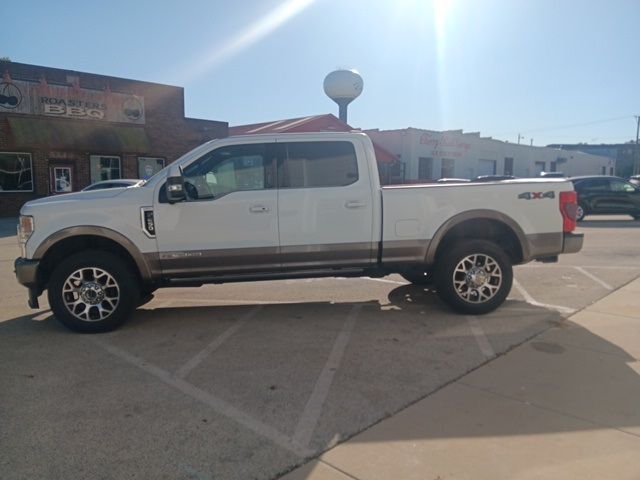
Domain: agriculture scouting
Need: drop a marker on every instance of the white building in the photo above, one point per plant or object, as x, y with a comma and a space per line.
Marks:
430, 155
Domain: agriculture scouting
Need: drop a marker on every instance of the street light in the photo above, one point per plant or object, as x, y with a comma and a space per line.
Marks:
636, 163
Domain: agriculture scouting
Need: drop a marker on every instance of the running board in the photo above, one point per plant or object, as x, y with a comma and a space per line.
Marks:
256, 277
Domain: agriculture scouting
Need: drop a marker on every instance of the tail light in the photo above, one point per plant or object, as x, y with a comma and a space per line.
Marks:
568, 209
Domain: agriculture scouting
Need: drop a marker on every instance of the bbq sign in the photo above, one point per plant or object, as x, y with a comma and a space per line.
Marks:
40, 98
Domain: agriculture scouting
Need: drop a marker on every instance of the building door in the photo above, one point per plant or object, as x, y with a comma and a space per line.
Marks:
229, 222
508, 165
325, 206
486, 167
61, 178
425, 168
539, 167
447, 169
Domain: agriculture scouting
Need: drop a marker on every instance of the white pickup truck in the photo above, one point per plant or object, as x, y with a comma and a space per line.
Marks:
268, 207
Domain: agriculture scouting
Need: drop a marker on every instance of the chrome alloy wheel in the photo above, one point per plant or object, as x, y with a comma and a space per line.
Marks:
579, 213
477, 278
91, 294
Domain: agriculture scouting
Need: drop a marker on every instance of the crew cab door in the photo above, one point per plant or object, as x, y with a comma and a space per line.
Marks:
229, 222
325, 205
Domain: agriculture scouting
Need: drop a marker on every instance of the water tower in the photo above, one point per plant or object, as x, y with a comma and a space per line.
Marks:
343, 86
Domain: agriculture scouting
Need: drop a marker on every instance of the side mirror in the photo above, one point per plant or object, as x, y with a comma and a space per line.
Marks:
175, 185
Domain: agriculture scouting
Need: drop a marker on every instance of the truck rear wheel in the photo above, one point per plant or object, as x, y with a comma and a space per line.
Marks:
474, 277
93, 291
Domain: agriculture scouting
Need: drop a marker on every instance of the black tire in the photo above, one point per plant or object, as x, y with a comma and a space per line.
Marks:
497, 282
418, 277
581, 212
114, 302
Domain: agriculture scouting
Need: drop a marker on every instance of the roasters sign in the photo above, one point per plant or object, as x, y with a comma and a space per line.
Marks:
40, 98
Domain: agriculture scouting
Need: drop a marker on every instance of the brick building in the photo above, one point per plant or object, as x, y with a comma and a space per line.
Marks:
61, 130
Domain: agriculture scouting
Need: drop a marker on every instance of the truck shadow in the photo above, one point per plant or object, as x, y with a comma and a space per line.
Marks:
398, 352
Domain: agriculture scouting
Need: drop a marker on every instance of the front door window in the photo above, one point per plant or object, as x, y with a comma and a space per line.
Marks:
229, 169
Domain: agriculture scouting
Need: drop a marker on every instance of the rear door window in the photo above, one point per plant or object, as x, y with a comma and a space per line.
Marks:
318, 164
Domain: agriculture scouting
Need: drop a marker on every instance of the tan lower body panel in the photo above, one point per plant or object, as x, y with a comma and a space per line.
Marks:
195, 263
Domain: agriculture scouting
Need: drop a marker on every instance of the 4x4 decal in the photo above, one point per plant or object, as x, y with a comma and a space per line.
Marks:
536, 195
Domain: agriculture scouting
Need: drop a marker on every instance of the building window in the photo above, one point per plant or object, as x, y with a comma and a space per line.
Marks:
425, 168
104, 167
553, 167
16, 172
508, 165
448, 168
318, 164
149, 166
61, 179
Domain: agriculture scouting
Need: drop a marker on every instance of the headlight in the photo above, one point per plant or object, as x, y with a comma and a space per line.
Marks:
25, 228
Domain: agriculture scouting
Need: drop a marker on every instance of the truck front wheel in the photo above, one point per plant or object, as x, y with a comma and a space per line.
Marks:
474, 277
93, 291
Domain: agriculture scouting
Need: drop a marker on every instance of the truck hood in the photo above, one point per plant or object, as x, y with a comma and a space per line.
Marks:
70, 198
72, 204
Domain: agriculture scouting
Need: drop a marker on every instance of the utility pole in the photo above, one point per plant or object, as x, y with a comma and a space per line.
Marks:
520, 137
636, 163
532, 142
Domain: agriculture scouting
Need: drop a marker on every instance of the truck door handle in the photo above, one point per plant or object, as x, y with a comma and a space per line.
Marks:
259, 209
355, 204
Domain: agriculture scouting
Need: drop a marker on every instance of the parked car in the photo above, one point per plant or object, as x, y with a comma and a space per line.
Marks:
492, 178
552, 175
605, 195
635, 179
123, 182
221, 214
453, 180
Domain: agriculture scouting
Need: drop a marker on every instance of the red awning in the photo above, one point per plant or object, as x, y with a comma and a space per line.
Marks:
383, 155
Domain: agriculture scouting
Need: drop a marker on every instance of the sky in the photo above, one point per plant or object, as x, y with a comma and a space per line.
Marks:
554, 71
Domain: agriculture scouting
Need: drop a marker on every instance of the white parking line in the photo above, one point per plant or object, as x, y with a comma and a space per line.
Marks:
313, 409
481, 338
220, 406
529, 299
594, 278
547, 265
215, 344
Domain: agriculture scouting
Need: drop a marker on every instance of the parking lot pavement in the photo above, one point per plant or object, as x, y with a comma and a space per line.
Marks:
250, 380
562, 405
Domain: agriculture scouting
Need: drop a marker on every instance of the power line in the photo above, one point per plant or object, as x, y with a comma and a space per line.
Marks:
561, 127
